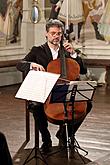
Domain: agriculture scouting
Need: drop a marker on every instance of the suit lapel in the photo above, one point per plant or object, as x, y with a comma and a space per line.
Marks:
47, 51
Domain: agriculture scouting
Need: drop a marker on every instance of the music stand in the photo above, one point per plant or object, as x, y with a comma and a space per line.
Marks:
71, 93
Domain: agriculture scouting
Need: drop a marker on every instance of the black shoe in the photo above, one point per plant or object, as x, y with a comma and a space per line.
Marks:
14, 40
62, 139
100, 37
46, 147
62, 143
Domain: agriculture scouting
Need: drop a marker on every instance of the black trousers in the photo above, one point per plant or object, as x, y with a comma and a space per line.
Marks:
39, 115
5, 157
73, 126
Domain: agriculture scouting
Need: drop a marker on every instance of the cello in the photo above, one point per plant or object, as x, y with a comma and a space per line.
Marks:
69, 70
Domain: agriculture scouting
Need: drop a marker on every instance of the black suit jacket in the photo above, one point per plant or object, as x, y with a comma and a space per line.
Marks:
42, 55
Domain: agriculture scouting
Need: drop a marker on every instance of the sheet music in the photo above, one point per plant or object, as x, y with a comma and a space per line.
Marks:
84, 90
37, 86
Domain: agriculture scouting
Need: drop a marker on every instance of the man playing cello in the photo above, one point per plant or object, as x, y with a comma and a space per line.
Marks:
38, 59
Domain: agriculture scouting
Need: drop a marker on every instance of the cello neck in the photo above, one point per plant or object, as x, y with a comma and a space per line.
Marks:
63, 62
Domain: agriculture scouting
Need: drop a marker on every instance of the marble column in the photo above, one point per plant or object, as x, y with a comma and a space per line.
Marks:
40, 26
27, 29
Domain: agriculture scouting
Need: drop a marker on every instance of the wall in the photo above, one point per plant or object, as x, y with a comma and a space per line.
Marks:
31, 34
29, 37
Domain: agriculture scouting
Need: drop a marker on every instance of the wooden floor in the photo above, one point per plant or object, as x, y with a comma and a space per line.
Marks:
93, 135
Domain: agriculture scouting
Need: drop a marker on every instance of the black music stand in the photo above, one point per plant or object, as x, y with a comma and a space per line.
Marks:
59, 95
71, 93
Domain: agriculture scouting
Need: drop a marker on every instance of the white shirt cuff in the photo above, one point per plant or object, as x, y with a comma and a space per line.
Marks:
74, 55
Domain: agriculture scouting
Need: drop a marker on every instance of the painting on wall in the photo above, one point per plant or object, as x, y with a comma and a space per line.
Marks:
3, 7
10, 20
94, 29
90, 33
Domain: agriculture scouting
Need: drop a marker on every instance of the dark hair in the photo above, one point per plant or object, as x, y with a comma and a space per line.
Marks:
54, 23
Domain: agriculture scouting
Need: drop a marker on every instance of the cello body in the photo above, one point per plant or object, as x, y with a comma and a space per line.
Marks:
55, 111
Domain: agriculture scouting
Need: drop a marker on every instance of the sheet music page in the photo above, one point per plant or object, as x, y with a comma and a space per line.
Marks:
85, 89
37, 86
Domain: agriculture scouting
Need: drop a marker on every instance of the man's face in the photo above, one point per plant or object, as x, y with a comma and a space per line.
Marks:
54, 35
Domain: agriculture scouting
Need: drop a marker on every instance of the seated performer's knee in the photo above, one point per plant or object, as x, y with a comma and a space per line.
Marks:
32, 106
